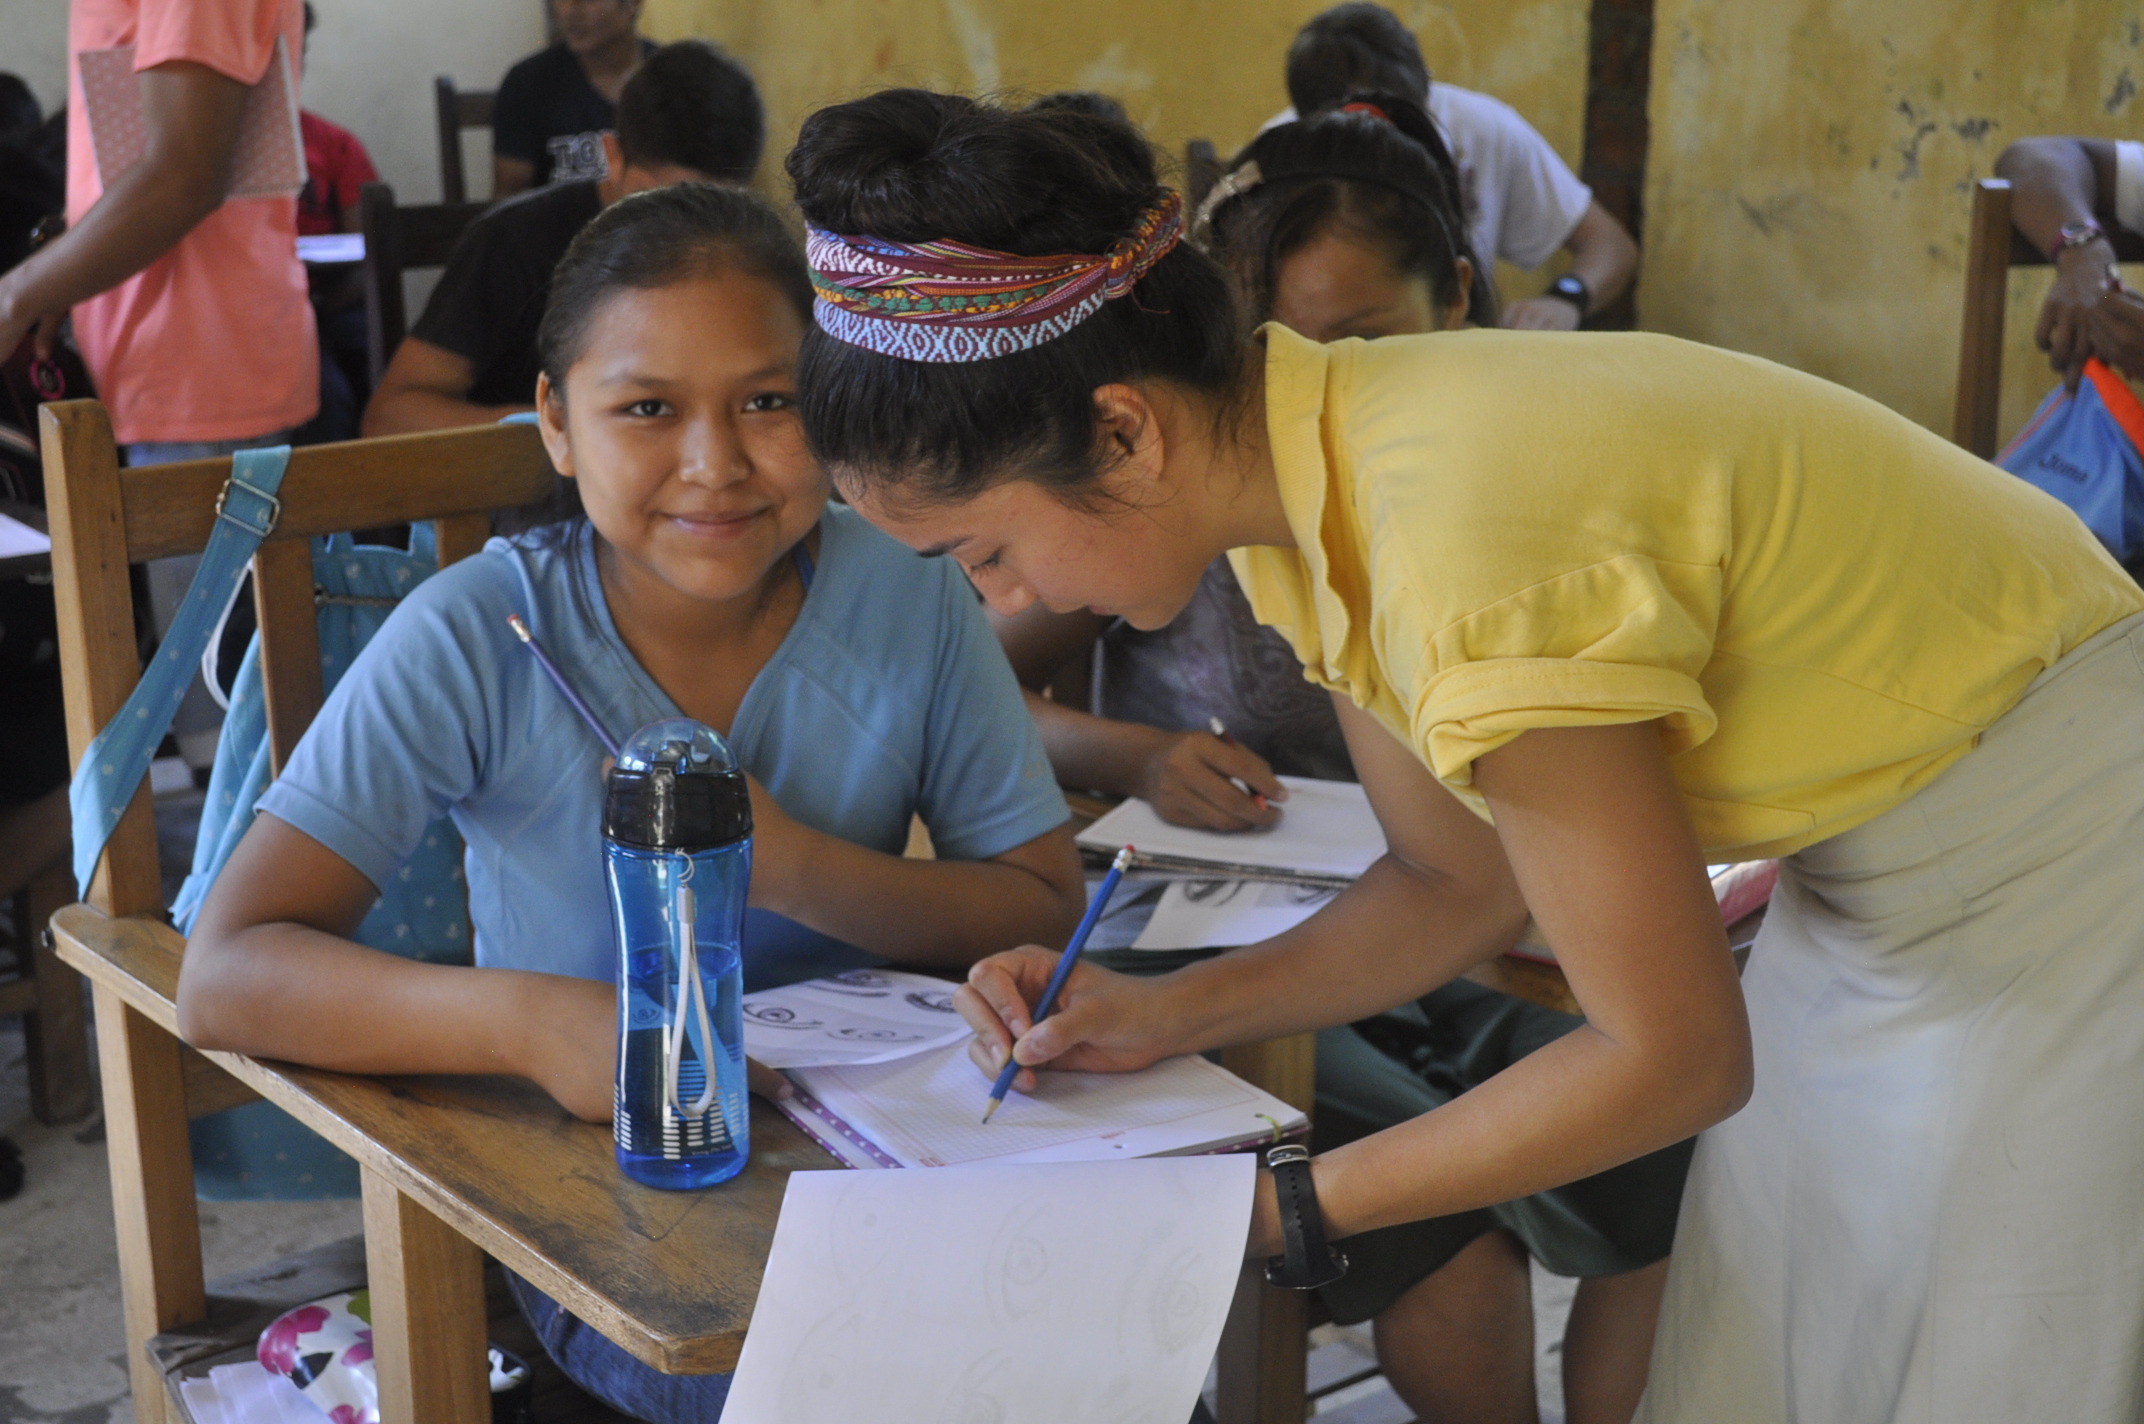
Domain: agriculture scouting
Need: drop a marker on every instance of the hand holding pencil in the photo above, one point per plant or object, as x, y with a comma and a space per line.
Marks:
1209, 781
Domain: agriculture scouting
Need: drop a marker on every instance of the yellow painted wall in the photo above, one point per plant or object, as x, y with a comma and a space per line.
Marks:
1807, 188
1183, 68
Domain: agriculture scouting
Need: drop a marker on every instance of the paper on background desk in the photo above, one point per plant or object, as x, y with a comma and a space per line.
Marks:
1070, 1293
1222, 914
863, 1016
1325, 828
19, 540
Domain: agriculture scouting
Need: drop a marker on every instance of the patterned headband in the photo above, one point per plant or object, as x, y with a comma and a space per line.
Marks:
945, 301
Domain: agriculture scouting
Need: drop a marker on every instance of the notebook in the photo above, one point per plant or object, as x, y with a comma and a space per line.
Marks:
1326, 835
925, 1110
1216, 914
863, 1016
270, 158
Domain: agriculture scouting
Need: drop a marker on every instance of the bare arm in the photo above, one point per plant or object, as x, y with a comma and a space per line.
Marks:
191, 113
510, 176
1591, 834
425, 387
1603, 255
930, 913
271, 970
1186, 775
2055, 182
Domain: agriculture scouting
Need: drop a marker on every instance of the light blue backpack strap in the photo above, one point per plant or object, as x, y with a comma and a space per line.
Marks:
112, 769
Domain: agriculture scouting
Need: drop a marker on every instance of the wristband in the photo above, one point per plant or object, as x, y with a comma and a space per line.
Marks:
1573, 290
1306, 1261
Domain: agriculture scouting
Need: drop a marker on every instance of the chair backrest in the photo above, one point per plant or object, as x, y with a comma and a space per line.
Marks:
104, 518
398, 239
1994, 246
458, 109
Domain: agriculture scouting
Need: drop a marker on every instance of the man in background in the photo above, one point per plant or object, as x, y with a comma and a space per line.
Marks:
554, 107
689, 114
1523, 202
2069, 196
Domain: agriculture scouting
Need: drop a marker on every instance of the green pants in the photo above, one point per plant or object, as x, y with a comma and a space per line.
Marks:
1384, 1070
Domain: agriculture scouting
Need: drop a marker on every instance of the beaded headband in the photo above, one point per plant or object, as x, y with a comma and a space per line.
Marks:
945, 301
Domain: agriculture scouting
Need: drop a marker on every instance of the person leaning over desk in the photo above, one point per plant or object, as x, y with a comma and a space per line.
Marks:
1712, 609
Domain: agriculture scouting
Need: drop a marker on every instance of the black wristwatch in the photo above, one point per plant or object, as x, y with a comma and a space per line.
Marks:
1306, 1261
1573, 290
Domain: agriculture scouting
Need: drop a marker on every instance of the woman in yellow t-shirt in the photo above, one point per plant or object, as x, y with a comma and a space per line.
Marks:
1593, 610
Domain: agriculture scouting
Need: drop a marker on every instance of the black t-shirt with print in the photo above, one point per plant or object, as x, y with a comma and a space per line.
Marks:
490, 299
548, 114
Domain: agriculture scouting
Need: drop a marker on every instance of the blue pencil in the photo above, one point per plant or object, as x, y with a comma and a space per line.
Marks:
1100, 902
543, 660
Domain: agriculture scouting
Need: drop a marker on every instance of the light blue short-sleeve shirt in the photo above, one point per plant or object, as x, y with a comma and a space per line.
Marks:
889, 697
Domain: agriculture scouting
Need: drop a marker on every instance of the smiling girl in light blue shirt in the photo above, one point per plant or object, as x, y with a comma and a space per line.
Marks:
858, 684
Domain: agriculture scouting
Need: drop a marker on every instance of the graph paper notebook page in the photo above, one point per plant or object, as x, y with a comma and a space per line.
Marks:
1326, 828
925, 1111
863, 1016
1076, 1293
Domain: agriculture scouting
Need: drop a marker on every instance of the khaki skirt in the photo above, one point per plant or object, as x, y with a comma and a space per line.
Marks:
1932, 1209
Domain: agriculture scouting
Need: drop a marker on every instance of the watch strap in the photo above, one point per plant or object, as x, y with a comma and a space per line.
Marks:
1574, 290
1306, 1261
2075, 234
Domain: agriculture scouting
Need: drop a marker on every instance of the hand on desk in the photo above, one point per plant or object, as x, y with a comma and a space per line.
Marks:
1104, 1022
576, 1062
1190, 780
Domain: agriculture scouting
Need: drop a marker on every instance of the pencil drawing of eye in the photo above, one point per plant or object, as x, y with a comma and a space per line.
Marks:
820, 1383
1019, 1268
1309, 894
861, 983
778, 1016
978, 1396
937, 1001
1164, 1302
1211, 892
856, 1033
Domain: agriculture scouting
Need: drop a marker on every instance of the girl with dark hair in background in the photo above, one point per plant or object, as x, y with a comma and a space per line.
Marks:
1350, 224
708, 578
1595, 610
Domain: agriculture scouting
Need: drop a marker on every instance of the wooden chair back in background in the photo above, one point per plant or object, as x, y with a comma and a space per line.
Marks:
400, 239
458, 109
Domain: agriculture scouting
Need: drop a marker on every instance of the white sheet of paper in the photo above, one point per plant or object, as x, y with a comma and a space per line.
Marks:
331, 247
18, 539
863, 1016
1221, 914
1325, 827
926, 1110
1073, 1293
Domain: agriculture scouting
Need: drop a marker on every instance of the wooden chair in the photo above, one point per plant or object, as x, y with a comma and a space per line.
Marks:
458, 109
453, 1169
1994, 246
399, 239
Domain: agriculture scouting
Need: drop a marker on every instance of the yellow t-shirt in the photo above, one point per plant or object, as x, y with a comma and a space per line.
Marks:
1823, 603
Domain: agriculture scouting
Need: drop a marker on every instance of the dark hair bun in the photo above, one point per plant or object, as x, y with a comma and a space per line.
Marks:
911, 165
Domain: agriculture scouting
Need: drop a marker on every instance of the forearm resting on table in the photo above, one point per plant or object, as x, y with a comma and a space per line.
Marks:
288, 991
426, 387
1095, 753
937, 914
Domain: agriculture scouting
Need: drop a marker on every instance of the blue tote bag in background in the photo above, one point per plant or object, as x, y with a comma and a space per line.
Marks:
2087, 450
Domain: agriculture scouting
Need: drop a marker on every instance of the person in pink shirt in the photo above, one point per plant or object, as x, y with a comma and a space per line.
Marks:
190, 310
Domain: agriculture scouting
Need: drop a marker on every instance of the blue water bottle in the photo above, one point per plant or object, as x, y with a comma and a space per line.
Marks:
677, 847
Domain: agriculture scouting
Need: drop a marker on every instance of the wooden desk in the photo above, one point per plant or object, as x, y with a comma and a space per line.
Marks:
453, 1168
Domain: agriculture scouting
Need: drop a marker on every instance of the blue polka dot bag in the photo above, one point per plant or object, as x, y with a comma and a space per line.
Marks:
258, 1152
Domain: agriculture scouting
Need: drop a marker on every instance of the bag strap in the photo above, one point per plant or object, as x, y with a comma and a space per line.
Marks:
112, 769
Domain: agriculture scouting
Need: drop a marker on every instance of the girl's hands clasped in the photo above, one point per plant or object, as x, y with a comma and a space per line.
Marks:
1104, 1022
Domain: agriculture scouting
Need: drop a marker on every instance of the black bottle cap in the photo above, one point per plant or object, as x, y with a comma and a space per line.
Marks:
676, 788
